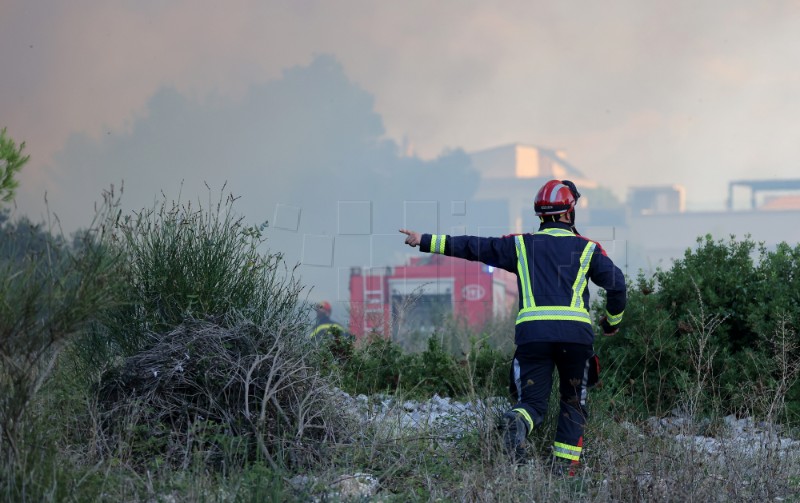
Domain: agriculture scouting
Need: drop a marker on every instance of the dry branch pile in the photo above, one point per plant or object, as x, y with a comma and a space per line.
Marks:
203, 387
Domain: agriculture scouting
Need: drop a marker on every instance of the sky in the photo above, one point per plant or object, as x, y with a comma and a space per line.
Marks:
296, 104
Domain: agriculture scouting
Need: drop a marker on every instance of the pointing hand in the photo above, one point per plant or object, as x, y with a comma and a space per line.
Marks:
412, 238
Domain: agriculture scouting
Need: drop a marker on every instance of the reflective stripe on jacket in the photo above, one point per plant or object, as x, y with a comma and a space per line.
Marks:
553, 267
328, 327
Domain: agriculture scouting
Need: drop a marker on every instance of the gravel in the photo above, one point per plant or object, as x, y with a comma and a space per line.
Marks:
739, 436
436, 413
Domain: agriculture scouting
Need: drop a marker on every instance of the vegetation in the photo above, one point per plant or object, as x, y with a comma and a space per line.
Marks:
182, 261
11, 162
163, 356
49, 293
741, 299
380, 366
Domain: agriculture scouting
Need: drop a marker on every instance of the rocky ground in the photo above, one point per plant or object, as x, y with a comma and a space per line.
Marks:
742, 435
734, 438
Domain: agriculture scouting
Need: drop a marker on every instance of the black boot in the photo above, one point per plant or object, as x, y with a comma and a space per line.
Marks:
563, 467
514, 436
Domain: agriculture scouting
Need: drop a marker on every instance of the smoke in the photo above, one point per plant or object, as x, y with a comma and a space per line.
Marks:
305, 152
636, 93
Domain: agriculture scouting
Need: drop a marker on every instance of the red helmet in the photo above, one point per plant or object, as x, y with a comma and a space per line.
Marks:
555, 197
325, 307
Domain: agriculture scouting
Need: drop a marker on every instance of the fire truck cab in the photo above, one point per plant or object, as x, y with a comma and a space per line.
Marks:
419, 295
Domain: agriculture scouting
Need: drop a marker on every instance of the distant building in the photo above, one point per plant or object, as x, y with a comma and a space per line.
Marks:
515, 173
651, 229
523, 161
773, 186
780, 203
658, 199
655, 238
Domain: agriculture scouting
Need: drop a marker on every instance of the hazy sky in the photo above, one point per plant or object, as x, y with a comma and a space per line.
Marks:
637, 93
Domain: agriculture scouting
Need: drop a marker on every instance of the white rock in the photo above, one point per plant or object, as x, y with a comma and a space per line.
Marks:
357, 485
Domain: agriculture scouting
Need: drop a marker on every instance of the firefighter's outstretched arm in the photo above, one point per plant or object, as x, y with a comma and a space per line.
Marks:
497, 252
412, 238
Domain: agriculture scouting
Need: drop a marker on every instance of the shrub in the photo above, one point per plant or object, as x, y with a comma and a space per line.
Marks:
49, 291
639, 362
206, 355
487, 369
745, 292
183, 261
11, 162
372, 368
380, 366
219, 395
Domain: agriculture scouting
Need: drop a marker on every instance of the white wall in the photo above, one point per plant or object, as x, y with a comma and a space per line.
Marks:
655, 240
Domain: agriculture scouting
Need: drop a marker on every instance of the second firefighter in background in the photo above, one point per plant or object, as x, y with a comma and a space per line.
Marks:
553, 327
325, 327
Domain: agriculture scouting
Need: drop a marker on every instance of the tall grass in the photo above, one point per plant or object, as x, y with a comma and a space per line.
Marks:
207, 356
49, 292
184, 261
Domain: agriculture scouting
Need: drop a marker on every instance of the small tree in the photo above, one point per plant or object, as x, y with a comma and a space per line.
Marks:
49, 292
11, 161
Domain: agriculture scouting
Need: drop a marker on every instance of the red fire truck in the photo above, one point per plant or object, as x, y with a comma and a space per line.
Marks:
419, 295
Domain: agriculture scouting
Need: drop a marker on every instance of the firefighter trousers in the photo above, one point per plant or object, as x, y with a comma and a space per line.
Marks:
532, 380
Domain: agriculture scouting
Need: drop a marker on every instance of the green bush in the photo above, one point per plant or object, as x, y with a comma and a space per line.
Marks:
206, 353
50, 291
11, 162
183, 261
488, 369
719, 317
374, 367
381, 366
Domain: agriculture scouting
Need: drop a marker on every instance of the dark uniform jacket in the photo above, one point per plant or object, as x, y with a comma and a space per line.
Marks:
553, 266
326, 327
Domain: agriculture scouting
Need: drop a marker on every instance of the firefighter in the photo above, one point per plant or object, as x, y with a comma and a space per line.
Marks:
553, 327
325, 326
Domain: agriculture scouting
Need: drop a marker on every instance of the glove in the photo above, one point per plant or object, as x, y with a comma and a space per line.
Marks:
608, 330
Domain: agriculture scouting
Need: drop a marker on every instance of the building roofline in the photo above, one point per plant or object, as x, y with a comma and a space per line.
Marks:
548, 151
762, 185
